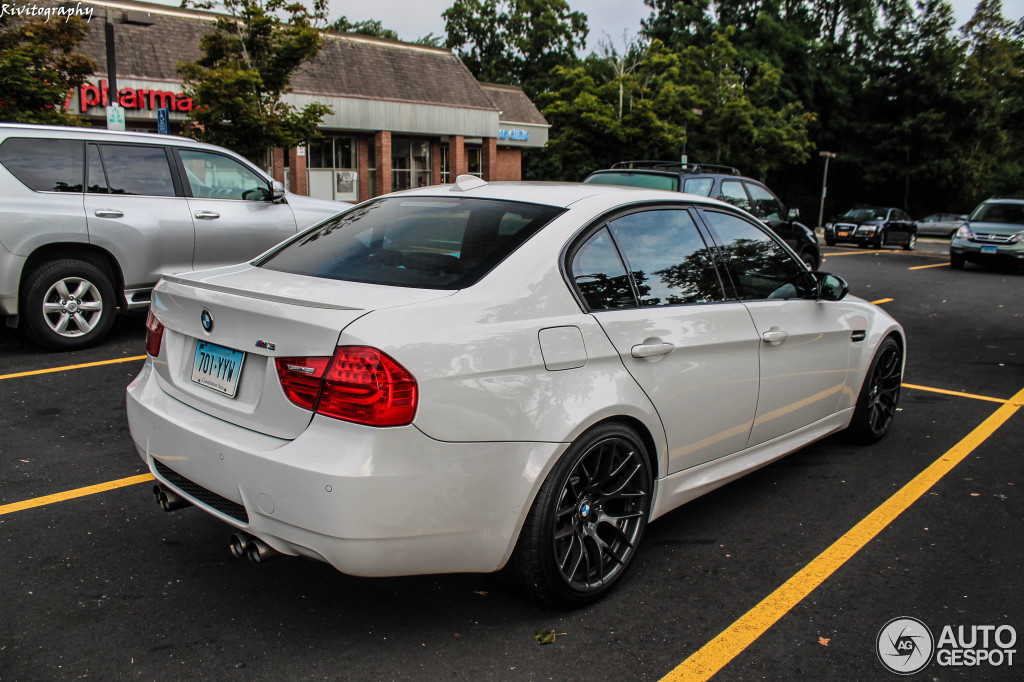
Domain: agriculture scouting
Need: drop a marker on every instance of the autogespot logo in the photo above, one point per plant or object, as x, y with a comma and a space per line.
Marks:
905, 645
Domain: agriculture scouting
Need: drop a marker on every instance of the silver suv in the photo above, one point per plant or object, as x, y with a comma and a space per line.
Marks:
993, 233
90, 219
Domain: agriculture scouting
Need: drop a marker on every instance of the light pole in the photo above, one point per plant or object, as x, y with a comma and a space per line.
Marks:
824, 184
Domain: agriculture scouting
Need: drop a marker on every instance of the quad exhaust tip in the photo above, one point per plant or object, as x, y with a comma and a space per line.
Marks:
255, 550
168, 499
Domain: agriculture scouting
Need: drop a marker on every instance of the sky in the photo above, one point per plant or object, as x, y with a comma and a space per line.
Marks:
607, 19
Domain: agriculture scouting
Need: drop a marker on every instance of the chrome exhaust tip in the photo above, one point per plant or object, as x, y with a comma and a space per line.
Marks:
259, 552
169, 500
239, 544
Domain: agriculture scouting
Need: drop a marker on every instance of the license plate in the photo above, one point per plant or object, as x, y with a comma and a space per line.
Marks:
844, 234
989, 249
217, 367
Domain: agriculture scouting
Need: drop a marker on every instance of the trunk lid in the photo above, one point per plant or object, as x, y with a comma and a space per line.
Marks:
254, 316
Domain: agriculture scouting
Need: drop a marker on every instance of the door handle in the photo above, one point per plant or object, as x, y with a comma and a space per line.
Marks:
109, 213
206, 215
774, 336
647, 350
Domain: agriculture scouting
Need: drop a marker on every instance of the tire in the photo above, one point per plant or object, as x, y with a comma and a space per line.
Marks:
68, 305
956, 262
880, 394
911, 243
583, 529
808, 258
879, 240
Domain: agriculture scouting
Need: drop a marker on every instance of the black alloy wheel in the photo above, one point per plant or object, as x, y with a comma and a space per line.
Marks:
584, 528
880, 394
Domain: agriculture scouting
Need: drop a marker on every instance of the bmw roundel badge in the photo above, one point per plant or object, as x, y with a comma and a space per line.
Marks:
207, 320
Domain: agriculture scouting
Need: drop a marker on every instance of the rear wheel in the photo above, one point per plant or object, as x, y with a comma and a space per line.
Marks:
584, 528
880, 394
68, 304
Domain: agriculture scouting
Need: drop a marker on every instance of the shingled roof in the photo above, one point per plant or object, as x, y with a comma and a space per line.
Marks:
514, 105
152, 39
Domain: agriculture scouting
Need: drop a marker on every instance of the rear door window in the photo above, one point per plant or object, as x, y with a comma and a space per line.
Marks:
600, 275
667, 257
764, 204
45, 165
137, 169
699, 186
423, 242
648, 180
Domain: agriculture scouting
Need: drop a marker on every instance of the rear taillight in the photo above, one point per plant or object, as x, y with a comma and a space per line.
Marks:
154, 334
301, 379
358, 384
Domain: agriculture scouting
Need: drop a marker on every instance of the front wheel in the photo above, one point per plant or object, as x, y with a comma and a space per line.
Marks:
68, 305
583, 530
880, 394
911, 242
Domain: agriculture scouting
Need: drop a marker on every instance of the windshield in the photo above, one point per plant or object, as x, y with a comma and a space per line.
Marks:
862, 214
422, 242
997, 212
649, 180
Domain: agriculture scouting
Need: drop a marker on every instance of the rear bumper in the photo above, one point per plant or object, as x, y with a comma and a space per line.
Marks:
371, 502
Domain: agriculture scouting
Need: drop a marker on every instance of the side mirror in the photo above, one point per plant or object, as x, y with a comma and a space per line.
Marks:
794, 214
277, 188
831, 287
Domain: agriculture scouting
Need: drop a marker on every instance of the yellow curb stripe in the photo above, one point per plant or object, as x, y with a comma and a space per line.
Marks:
925, 267
714, 655
851, 253
960, 394
72, 494
68, 368
882, 300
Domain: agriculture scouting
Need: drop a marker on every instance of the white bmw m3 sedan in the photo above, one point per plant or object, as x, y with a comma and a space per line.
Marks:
518, 376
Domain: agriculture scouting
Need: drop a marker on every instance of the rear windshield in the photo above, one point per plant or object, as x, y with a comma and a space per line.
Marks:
649, 180
421, 242
996, 212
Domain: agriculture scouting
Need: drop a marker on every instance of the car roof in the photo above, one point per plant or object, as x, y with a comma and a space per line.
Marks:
98, 134
561, 194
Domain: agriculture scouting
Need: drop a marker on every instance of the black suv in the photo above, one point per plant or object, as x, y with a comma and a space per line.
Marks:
721, 182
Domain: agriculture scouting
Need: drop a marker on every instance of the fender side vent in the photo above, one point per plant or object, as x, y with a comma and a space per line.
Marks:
858, 335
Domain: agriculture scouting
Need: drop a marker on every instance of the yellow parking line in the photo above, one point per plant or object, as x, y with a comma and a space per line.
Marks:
70, 367
714, 655
924, 267
72, 494
882, 300
852, 253
959, 394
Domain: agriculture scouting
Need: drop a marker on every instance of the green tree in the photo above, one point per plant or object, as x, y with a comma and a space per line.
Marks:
515, 42
368, 27
38, 66
247, 63
993, 81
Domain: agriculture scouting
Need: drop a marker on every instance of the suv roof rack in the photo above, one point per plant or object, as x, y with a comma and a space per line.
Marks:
676, 166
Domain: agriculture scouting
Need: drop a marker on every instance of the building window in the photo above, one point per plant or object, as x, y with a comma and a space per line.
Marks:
410, 164
445, 165
474, 155
332, 165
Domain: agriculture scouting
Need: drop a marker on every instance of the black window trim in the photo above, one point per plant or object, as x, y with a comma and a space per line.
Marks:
581, 237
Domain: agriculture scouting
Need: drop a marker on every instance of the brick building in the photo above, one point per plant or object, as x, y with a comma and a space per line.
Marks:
404, 115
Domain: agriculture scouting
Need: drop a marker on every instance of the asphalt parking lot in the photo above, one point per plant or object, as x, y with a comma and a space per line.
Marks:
788, 573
